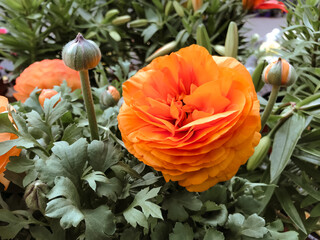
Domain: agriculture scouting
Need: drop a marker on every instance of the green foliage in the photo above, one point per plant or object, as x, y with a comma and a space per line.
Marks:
46, 26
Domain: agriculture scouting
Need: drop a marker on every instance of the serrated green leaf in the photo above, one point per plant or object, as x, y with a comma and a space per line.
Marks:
100, 223
16, 220
53, 109
133, 216
284, 143
177, 203
254, 226
73, 157
19, 142
103, 155
160, 232
35, 120
276, 230
181, 231
235, 222
72, 133
64, 203
213, 234
287, 205
20, 164
111, 189
94, 177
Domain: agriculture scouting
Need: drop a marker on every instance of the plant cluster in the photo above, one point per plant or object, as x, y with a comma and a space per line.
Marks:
131, 30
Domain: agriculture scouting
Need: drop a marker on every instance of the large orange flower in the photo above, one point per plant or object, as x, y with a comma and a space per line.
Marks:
4, 159
191, 116
45, 74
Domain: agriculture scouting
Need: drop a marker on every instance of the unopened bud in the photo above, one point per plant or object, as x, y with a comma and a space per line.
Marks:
259, 154
46, 93
257, 76
168, 8
110, 14
232, 41
178, 8
167, 48
81, 54
203, 37
35, 195
220, 49
109, 97
279, 73
121, 20
197, 4
138, 23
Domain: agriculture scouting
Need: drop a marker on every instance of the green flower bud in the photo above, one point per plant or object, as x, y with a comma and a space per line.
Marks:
81, 54
109, 97
110, 14
232, 41
256, 76
220, 49
279, 73
121, 20
178, 8
260, 152
138, 23
35, 195
168, 8
203, 37
165, 49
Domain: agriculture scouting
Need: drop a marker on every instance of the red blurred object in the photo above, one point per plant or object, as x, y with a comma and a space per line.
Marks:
263, 4
3, 31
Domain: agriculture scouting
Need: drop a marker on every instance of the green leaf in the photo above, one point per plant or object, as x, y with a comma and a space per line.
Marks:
284, 143
177, 203
111, 189
20, 164
100, 223
213, 234
16, 220
254, 226
315, 212
64, 203
52, 111
160, 232
20, 142
276, 230
305, 185
181, 231
73, 157
103, 155
289, 208
133, 216
6, 125
35, 120
94, 177
72, 133
212, 215
15, 224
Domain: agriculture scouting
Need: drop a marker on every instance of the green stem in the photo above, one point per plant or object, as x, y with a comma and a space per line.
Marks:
308, 100
271, 102
280, 122
88, 101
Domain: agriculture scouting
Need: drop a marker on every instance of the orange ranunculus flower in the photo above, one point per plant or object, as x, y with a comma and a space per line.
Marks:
45, 74
191, 116
4, 159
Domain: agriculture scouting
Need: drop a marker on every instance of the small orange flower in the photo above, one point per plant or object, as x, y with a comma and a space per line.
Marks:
4, 159
45, 74
46, 93
191, 116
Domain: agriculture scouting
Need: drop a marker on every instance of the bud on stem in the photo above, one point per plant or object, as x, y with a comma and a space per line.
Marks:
81, 55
